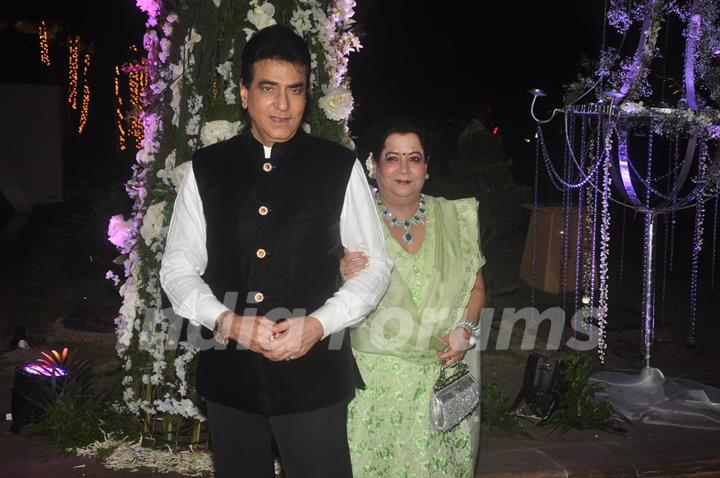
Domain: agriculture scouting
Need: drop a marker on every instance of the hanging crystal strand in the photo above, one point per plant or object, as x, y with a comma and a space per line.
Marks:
579, 225
647, 301
666, 241
714, 243
565, 223
535, 211
696, 246
676, 157
588, 249
621, 271
600, 156
602, 308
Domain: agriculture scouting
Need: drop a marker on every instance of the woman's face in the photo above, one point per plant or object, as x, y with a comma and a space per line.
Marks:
401, 168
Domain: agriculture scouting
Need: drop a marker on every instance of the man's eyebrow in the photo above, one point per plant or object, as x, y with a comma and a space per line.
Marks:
267, 83
300, 84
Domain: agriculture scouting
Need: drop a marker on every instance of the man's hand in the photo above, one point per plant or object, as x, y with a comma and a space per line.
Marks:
294, 337
252, 332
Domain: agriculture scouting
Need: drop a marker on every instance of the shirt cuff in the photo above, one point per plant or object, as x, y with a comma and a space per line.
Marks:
327, 315
208, 310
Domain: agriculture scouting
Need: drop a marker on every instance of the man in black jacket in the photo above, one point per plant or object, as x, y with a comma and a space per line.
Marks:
264, 217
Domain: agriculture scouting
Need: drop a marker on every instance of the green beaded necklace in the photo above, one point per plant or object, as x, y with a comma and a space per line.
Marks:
406, 224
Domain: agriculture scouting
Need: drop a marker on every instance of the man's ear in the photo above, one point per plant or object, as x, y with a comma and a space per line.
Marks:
243, 95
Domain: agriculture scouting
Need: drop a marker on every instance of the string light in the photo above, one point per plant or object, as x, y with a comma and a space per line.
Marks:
86, 95
73, 67
137, 81
137, 84
118, 111
44, 47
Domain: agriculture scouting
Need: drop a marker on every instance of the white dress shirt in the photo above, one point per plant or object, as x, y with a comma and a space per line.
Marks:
185, 259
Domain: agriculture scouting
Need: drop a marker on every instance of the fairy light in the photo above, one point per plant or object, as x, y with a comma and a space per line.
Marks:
86, 94
73, 67
118, 111
44, 47
137, 84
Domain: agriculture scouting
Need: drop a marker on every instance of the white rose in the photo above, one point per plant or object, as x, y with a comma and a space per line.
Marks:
337, 103
218, 130
152, 222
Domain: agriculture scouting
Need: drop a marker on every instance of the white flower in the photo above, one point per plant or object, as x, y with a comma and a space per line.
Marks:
217, 3
262, 16
230, 96
249, 32
218, 130
370, 165
225, 69
129, 292
179, 173
337, 103
119, 231
152, 222
306, 127
172, 18
193, 126
632, 108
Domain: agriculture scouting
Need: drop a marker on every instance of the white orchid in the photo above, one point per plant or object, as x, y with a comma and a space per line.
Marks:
152, 222
262, 16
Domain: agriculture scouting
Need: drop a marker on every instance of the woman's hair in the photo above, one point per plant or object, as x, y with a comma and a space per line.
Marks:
400, 125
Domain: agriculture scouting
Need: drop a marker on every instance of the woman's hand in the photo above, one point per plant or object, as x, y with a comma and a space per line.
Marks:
352, 263
457, 345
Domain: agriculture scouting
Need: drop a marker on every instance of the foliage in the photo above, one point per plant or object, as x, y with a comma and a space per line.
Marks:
496, 413
577, 406
74, 413
483, 171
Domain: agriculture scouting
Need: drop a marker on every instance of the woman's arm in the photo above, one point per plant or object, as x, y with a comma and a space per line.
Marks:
457, 339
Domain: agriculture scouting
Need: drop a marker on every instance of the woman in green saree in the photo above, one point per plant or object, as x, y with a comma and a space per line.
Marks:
429, 315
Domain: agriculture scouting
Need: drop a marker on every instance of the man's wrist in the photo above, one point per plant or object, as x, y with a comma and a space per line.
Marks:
222, 327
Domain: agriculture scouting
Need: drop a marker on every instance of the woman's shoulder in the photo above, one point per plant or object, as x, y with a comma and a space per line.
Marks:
462, 205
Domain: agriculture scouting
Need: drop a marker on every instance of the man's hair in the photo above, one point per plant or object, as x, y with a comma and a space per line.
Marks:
400, 125
276, 42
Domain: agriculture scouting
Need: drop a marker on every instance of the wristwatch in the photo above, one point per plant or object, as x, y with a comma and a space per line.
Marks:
474, 329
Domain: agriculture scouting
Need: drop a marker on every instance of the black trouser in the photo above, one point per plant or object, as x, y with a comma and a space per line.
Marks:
311, 444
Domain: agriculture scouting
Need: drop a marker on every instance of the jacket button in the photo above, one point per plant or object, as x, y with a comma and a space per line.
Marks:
267, 167
262, 210
259, 297
261, 253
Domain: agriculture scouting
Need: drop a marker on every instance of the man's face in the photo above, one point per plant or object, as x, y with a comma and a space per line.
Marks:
275, 100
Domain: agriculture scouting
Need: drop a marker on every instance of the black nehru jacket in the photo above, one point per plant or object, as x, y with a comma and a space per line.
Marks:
273, 235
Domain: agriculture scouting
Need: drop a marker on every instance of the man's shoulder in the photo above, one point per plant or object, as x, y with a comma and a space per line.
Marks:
328, 149
218, 150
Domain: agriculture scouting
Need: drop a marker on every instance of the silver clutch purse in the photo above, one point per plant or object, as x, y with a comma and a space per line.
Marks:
454, 397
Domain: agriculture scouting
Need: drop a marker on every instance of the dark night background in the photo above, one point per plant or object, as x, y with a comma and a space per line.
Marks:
436, 62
